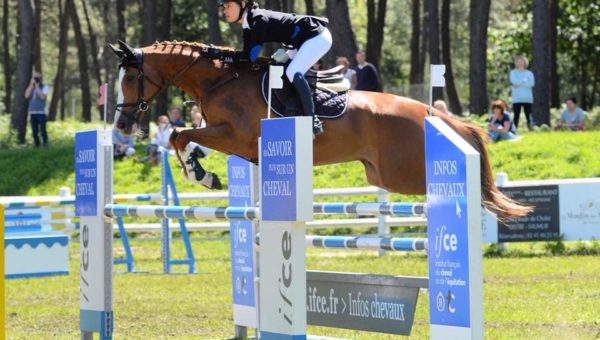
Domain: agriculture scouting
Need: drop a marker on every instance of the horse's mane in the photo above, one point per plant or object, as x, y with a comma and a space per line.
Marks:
193, 46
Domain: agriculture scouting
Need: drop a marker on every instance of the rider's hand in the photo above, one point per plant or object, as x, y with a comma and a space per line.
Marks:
218, 63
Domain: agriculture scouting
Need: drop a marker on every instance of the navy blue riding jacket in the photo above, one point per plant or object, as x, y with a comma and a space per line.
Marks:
269, 26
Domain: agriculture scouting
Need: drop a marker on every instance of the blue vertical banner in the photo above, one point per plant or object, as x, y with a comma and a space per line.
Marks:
285, 158
86, 191
241, 176
454, 232
278, 169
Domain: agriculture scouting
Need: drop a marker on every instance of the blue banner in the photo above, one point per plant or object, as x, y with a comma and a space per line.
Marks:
278, 167
241, 233
86, 201
447, 231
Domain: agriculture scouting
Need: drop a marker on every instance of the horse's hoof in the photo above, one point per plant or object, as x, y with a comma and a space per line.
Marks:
216, 183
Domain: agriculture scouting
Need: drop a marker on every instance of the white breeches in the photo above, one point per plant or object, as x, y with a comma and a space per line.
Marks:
308, 54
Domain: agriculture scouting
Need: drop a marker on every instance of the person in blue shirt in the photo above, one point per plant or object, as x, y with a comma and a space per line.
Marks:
36, 93
521, 83
572, 117
500, 125
306, 38
122, 145
367, 78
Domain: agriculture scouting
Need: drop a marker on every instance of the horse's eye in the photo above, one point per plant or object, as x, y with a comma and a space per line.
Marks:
130, 78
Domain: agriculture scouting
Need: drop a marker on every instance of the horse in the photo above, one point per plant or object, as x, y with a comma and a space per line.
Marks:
384, 132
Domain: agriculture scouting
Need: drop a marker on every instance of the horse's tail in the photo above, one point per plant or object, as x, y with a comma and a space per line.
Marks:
493, 199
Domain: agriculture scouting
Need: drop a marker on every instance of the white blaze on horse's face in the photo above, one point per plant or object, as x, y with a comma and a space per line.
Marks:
120, 97
121, 100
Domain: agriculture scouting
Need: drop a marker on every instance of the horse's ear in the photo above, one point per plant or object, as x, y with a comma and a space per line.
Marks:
126, 48
117, 51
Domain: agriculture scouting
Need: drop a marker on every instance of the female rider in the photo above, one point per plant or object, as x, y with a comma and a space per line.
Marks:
306, 38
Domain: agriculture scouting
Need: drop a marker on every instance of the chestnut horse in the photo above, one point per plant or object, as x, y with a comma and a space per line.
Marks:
383, 131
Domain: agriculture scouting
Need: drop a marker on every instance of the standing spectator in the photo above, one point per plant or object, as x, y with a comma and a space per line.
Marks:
37, 92
197, 119
367, 78
175, 117
122, 145
572, 117
500, 124
348, 73
522, 82
160, 141
441, 106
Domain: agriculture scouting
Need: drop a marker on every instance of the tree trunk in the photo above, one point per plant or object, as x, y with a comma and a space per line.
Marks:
84, 80
541, 61
24, 65
423, 50
23, 68
59, 79
109, 59
414, 43
584, 84
344, 40
121, 28
554, 79
37, 54
7, 62
94, 50
376, 22
162, 101
212, 14
479, 13
310, 7
431, 8
453, 99
149, 37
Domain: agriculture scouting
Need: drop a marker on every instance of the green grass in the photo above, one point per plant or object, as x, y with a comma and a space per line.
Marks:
534, 297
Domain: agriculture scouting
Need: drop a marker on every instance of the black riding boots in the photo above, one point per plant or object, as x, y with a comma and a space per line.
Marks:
303, 90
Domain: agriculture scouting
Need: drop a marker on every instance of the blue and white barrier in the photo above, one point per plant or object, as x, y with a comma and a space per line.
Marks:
367, 243
371, 209
187, 212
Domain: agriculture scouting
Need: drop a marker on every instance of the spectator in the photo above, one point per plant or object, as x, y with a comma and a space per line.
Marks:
175, 117
348, 73
441, 106
367, 78
160, 141
572, 117
37, 92
500, 124
197, 119
522, 82
123, 145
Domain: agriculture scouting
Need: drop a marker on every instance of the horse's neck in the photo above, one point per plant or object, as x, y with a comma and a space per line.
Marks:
196, 80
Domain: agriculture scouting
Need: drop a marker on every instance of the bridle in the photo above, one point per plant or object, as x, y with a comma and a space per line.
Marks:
141, 104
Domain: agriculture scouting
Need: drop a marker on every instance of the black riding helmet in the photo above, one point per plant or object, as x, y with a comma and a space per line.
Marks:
249, 4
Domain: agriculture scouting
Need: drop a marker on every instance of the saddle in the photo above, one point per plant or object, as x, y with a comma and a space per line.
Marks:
329, 90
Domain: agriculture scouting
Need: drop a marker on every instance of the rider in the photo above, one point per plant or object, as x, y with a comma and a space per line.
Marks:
307, 38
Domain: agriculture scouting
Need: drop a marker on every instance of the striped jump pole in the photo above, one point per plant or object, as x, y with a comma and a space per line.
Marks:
367, 243
188, 212
371, 209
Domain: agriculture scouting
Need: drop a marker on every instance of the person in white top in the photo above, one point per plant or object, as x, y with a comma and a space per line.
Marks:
160, 140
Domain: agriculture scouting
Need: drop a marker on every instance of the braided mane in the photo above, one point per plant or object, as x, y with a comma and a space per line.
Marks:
193, 46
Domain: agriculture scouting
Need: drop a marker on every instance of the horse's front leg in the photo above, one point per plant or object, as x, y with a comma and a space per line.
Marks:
190, 146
